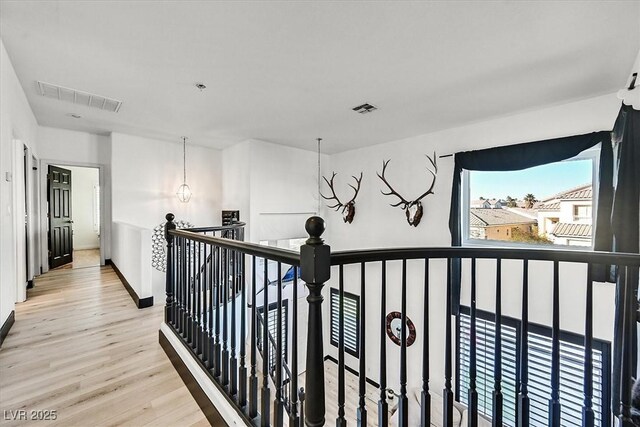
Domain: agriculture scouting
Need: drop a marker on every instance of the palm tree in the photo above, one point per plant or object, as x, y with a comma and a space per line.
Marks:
511, 202
529, 200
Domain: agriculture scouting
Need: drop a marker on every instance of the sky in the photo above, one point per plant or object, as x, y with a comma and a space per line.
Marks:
541, 181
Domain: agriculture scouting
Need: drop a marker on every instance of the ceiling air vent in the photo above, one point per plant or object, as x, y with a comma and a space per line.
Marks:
365, 108
79, 97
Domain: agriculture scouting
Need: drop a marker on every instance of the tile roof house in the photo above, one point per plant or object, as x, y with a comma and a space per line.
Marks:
497, 224
566, 216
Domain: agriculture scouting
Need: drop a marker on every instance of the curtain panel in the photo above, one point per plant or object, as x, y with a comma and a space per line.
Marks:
527, 155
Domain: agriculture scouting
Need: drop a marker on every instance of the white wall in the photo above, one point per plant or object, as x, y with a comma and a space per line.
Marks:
376, 224
236, 188
131, 249
283, 188
146, 174
16, 122
83, 181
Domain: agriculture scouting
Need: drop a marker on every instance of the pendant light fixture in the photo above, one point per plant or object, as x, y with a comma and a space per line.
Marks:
184, 192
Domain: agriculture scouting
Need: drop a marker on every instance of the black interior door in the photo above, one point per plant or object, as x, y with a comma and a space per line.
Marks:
60, 223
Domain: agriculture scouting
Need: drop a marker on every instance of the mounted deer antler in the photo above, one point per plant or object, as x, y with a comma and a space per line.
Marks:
412, 208
349, 208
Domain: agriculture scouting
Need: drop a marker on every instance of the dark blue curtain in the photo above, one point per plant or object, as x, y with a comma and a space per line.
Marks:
523, 156
625, 222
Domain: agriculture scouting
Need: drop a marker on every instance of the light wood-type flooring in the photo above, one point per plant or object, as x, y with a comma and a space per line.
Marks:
80, 347
83, 258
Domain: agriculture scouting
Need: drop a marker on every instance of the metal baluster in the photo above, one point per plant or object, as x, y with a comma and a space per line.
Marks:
403, 402
197, 345
294, 420
497, 360
204, 343
189, 293
447, 393
233, 387
383, 406
225, 317
301, 397
523, 396
253, 379
278, 404
192, 294
181, 312
587, 409
629, 281
210, 281
425, 397
341, 421
242, 399
216, 303
266, 393
362, 410
554, 401
473, 393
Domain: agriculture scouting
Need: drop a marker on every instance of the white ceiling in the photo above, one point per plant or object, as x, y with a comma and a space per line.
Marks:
288, 72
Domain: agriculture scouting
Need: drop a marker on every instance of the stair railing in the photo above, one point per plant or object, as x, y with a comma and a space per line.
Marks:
211, 318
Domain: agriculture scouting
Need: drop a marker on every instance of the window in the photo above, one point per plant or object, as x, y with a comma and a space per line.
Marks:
273, 331
571, 371
545, 205
581, 212
351, 304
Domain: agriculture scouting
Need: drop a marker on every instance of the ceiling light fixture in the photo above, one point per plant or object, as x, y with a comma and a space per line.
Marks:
184, 192
200, 86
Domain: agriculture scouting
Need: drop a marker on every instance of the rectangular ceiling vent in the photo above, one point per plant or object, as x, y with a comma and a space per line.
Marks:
79, 97
365, 108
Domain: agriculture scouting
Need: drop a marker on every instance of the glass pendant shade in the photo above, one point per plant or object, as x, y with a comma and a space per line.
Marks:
184, 193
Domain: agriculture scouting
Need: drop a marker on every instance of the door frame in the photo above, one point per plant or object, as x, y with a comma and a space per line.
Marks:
105, 229
22, 192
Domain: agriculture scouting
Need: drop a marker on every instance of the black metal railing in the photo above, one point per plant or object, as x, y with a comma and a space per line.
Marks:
210, 288
627, 266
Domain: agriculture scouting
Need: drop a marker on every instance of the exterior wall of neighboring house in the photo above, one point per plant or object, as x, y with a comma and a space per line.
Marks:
477, 232
557, 217
547, 220
505, 231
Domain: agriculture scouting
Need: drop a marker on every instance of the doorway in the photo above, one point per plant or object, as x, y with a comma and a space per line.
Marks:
74, 210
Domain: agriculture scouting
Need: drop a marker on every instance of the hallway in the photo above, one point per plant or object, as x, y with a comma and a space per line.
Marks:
80, 347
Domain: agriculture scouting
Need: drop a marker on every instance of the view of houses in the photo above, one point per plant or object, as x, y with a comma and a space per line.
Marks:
564, 218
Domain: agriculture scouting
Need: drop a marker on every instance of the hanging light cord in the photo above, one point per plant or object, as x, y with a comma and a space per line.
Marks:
319, 202
184, 160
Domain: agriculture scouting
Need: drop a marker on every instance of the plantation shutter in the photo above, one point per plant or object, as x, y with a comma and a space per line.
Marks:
485, 344
571, 374
273, 331
351, 304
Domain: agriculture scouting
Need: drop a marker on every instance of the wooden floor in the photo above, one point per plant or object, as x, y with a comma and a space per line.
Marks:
82, 259
80, 347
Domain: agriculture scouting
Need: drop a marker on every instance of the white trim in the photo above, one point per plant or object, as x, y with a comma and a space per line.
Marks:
105, 206
226, 410
20, 212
